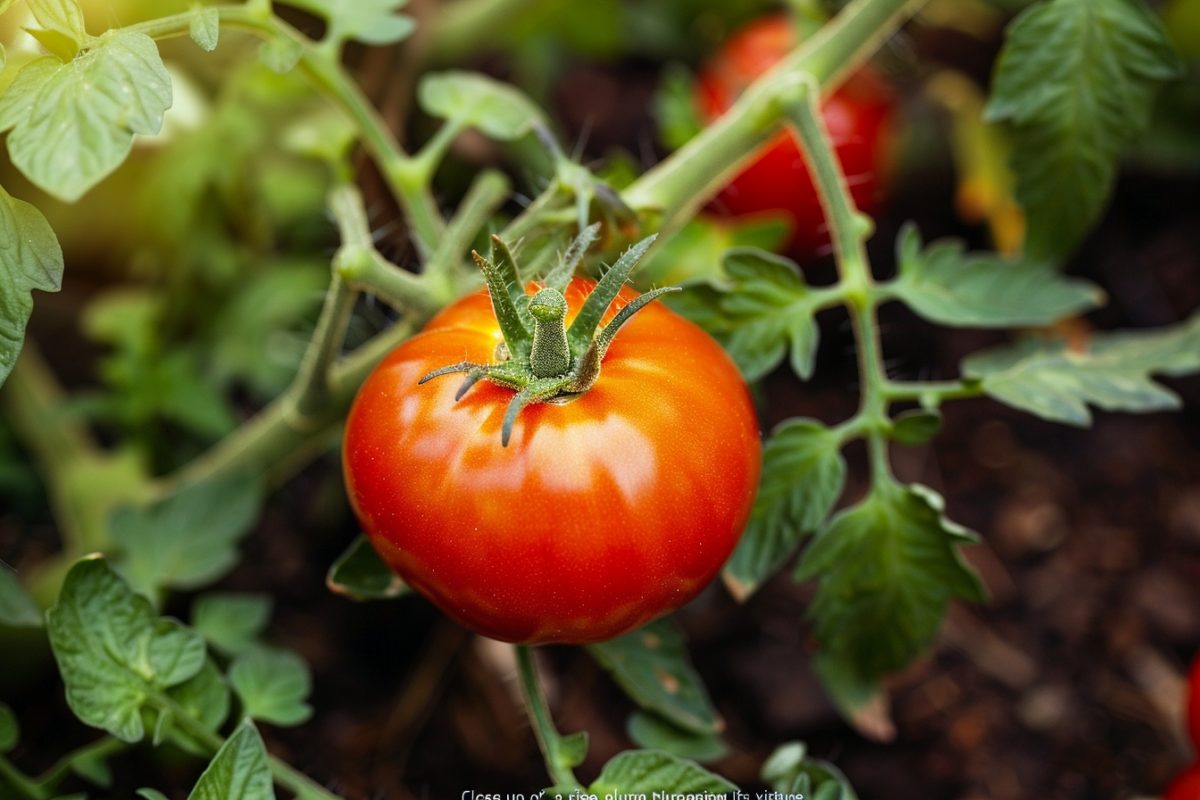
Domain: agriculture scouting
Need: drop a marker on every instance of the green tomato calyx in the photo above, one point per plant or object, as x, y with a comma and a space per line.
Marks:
546, 359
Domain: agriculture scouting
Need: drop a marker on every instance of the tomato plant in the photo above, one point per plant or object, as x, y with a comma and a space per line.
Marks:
776, 180
610, 505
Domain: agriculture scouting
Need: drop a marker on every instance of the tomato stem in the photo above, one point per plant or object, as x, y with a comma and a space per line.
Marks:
548, 738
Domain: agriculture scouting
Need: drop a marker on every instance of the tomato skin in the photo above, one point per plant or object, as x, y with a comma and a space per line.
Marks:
776, 180
601, 514
1186, 786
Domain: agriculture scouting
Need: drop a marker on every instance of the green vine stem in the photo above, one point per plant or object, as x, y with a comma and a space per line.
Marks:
326, 75
25, 786
681, 182
849, 230
548, 738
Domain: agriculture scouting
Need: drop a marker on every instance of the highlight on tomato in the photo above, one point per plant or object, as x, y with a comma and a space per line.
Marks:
776, 181
573, 484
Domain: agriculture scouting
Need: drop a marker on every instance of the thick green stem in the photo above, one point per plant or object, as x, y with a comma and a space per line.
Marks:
849, 230
328, 77
442, 272
543, 726
686, 179
931, 394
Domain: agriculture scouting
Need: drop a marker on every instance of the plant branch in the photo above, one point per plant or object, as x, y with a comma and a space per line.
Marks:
849, 230
930, 394
543, 726
26, 786
484, 197
99, 749
328, 77
687, 178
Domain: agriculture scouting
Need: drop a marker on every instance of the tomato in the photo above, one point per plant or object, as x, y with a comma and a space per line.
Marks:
602, 512
1186, 786
776, 180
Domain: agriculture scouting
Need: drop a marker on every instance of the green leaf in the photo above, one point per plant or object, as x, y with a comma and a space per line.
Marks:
1055, 382
791, 772
946, 285
239, 771
651, 665
151, 794
205, 698
477, 101
10, 731
113, 651
31, 259
61, 16
360, 574
886, 568
189, 539
655, 733
694, 252
916, 426
367, 21
82, 122
272, 685
93, 769
572, 749
281, 54
649, 771
1075, 82
205, 27
17, 609
231, 622
802, 477
17, 101
771, 310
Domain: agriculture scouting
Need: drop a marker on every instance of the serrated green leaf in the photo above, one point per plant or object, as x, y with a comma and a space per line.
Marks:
368, 21
802, 477
360, 574
30, 259
655, 733
946, 285
477, 101
17, 609
791, 772
1054, 382
231, 622
205, 698
113, 651
10, 731
189, 539
273, 685
648, 771
886, 567
771, 312
916, 426
1075, 81
239, 771
651, 665
61, 16
204, 27
81, 124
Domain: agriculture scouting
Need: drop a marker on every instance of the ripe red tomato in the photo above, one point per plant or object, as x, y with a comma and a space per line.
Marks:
777, 180
1186, 786
602, 512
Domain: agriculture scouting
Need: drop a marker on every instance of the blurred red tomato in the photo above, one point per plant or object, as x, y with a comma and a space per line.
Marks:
777, 180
